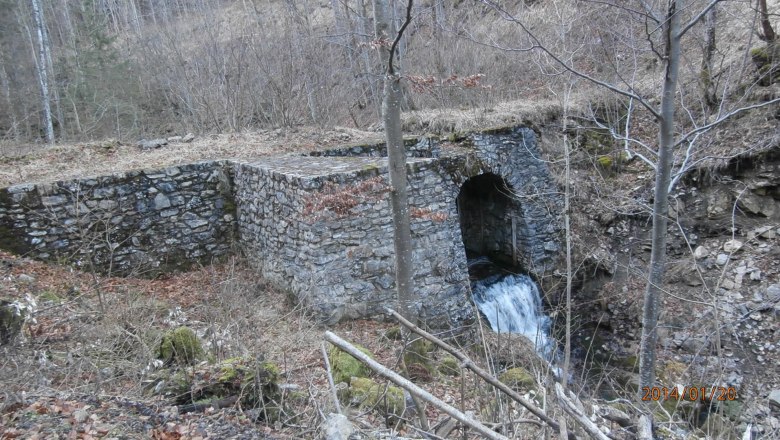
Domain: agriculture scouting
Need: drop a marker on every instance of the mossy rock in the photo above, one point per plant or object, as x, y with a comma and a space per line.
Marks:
394, 334
767, 61
732, 409
418, 352
673, 372
605, 161
345, 367
449, 366
255, 383
180, 346
11, 322
386, 399
518, 378
597, 141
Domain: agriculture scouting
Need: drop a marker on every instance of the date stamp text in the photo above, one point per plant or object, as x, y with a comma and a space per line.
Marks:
689, 393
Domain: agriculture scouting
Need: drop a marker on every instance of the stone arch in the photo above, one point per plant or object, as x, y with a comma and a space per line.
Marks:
491, 220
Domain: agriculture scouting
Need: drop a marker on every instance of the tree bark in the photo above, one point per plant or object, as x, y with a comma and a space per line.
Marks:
708, 85
396, 155
671, 33
41, 67
768, 34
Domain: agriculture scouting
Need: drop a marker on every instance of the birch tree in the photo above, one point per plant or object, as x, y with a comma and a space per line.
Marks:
42, 69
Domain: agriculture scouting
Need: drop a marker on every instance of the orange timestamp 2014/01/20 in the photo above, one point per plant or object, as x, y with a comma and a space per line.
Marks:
689, 393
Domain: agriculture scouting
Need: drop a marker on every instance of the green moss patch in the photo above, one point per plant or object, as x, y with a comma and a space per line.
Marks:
449, 366
345, 367
180, 346
386, 399
518, 378
254, 382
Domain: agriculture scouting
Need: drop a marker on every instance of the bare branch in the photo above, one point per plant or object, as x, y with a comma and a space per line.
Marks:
568, 404
398, 37
698, 17
412, 388
537, 44
468, 363
720, 120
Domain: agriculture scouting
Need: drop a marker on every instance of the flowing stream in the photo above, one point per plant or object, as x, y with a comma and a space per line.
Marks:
512, 304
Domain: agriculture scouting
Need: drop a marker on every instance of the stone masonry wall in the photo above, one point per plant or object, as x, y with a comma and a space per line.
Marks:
513, 154
317, 226
327, 239
135, 222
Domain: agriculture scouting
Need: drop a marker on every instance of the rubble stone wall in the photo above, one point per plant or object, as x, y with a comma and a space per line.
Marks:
143, 222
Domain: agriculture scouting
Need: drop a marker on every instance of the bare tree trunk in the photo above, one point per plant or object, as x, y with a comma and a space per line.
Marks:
768, 33
671, 33
50, 67
42, 69
5, 85
396, 155
708, 86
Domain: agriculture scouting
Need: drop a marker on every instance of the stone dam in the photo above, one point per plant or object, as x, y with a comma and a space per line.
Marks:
316, 225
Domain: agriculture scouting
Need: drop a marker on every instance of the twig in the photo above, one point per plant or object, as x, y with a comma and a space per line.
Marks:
468, 363
571, 409
412, 388
330, 379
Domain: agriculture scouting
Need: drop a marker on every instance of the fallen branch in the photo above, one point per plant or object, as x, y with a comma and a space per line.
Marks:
645, 428
568, 405
333, 393
412, 388
487, 377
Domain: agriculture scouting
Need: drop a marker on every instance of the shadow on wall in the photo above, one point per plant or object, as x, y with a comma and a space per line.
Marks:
490, 219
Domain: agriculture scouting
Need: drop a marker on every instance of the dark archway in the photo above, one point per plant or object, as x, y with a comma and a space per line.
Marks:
490, 221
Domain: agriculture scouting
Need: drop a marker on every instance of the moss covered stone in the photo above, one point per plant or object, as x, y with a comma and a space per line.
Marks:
605, 161
386, 399
11, 322
518, 378
394, 333
255, 384
345, 367
180, 346
418, 361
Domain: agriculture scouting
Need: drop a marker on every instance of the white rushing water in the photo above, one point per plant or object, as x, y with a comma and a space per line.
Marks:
512, 304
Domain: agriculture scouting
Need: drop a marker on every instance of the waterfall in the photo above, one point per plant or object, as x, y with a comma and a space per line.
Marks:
512, 304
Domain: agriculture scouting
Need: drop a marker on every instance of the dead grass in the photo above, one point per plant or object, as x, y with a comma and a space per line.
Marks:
37, 163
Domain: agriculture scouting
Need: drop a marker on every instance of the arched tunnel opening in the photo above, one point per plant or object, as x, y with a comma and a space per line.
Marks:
490, 224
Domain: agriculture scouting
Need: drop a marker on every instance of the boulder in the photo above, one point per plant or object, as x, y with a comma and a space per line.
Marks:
518, 378
386, 399
344, 367
337, 427
180, 346
732, 246
11, 321
774, 398
151, 144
